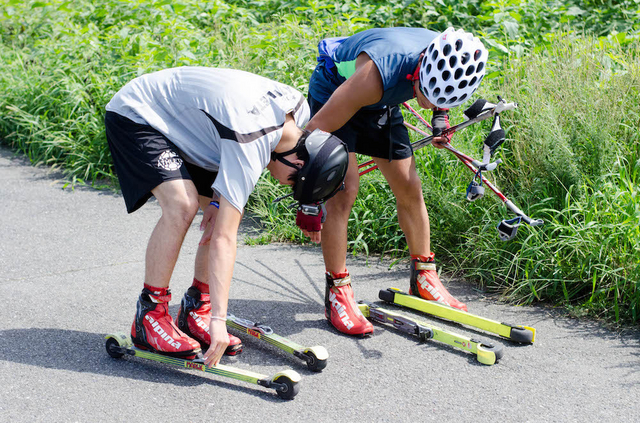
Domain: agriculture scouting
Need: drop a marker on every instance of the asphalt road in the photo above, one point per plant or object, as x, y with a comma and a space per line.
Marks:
71, 266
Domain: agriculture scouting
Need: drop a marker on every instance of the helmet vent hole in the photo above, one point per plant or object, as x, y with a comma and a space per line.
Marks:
436, 92
458, 45
462, 85
449, 89
477, 55
480, 67
471, 69
473, 80
432, 83
458, 73
428, 68
430, 48
447, 50
463, 97
465, 58
441, 101
452, 99
446, 75
434, 55
441, 64
453, 60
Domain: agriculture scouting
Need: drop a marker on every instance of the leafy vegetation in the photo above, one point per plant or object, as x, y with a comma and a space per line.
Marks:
572, 155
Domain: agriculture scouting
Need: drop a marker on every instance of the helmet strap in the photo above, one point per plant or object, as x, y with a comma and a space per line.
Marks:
281, 156
415, 77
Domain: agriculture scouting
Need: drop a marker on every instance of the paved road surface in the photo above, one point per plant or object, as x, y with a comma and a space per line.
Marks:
71, 265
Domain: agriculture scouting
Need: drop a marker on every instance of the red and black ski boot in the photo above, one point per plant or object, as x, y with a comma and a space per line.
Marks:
194, 318
426, 284
340, 308
153, 328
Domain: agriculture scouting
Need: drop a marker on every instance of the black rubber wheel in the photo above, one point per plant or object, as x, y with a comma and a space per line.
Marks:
290, 389
314, 364
496, 349
521, 335
110, 344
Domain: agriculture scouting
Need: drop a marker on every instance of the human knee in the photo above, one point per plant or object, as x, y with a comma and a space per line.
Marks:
181, 211
343, 201
410, 191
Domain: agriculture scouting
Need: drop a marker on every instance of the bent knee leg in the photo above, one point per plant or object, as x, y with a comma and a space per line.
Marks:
178, 200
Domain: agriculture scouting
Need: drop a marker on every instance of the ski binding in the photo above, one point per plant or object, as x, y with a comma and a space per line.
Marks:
285, 383
488, 354
515, 333
315, 357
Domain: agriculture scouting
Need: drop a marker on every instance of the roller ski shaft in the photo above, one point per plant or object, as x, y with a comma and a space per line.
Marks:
285, 383
315, 357
488, 354
515, 333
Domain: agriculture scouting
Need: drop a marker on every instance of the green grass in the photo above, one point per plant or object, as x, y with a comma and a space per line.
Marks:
572, 156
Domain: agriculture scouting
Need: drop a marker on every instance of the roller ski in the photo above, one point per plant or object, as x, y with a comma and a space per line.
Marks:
315, 357
515, 333
487, 354
285, 383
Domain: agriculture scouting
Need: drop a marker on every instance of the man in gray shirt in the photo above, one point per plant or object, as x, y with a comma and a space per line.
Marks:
198, 137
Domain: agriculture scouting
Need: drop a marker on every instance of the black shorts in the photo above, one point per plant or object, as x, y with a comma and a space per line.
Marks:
144, 158
376, 133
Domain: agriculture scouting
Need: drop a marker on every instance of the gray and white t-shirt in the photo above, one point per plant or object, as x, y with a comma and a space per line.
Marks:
223, 120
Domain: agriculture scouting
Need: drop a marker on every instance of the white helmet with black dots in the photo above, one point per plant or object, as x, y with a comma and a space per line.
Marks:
452, 68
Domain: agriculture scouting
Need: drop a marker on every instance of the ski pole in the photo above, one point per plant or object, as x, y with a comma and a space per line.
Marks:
478, 112
474, 115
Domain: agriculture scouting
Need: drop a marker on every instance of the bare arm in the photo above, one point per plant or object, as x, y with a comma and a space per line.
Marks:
363, 88
222, 257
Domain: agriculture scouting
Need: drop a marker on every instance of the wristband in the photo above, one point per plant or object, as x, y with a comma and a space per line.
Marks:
215, 204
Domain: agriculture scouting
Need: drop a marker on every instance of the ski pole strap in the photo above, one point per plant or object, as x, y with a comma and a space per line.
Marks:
475, 109
507, 229
495, 138
425, 266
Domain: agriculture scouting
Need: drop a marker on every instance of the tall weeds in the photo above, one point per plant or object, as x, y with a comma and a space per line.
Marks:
572, 156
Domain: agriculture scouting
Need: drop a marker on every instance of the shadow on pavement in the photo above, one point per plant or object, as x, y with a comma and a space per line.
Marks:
85, 352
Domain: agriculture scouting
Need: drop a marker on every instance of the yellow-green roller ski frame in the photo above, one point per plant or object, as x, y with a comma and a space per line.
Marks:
486, 353
516, 333
285, 383
315, 357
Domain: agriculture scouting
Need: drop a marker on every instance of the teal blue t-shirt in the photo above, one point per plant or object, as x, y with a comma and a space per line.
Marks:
395, 51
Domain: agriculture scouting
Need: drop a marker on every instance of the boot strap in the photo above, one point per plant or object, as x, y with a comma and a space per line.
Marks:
342, 282
425, 266
157, 298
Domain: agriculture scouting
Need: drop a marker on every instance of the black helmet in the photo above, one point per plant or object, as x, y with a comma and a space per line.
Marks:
325, 167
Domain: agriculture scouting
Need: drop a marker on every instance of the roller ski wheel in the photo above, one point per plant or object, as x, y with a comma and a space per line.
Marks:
285, 383
116, 343
315, 357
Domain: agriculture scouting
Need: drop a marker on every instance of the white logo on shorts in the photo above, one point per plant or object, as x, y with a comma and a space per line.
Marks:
169, 160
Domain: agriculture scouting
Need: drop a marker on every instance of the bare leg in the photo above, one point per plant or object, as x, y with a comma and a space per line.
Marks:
179, 202
412, 212
201, 271
334, 232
